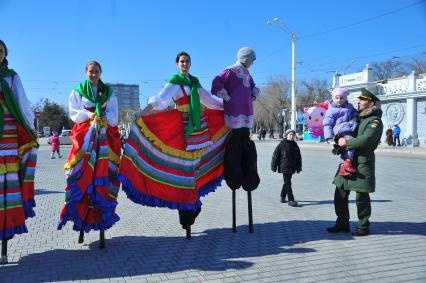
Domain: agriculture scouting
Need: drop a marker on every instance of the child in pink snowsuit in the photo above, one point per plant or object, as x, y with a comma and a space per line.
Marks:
54, 145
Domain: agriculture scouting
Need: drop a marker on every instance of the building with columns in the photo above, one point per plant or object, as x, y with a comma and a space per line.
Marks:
403, 101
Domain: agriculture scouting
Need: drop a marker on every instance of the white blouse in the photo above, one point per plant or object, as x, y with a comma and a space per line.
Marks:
172, 91
21, 99
79, 114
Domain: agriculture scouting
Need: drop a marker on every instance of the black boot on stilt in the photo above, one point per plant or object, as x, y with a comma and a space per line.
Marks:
188, 233
81, 237
3, 257
102, 240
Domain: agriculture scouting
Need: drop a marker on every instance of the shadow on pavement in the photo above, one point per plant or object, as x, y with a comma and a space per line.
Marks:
210, 250
45, 192
321, 202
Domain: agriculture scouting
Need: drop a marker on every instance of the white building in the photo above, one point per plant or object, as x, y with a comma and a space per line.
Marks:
403, 101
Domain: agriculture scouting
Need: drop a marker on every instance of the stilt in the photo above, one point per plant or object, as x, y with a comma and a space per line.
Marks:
188, 233
3, 258
250, 212
234, 213
81, 237
102, 239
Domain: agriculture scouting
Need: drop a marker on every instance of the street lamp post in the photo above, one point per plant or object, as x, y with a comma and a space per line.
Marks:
277, 21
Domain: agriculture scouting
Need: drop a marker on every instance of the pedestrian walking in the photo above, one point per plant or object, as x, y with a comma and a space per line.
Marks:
287, 160
55, 144
363, 181
389, 136
396, 132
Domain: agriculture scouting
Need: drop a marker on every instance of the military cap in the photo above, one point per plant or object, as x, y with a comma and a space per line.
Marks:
367, 95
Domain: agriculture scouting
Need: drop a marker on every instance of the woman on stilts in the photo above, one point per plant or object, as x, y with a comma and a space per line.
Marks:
18, 155
173, 156
92, 166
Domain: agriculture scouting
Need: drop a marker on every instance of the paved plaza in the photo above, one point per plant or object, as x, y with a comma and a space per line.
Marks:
288, 244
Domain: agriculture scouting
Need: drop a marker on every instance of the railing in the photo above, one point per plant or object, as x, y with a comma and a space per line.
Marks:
421, 84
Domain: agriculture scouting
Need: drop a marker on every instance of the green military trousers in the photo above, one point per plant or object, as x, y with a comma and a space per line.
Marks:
341, 207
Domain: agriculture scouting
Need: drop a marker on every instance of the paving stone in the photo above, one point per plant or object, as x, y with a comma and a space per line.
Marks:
288, 244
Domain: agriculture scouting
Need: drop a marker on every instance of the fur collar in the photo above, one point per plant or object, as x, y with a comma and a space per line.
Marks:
370, 111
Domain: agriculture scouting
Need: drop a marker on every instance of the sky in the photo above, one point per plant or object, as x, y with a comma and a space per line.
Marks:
50, 41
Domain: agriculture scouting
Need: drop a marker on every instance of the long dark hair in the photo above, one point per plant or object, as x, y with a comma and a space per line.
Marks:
182, 53
100, 83
4, 63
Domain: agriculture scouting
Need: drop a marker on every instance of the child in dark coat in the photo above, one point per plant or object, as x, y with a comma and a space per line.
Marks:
288, 160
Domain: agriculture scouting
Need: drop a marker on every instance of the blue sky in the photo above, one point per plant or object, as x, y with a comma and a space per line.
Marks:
50, 41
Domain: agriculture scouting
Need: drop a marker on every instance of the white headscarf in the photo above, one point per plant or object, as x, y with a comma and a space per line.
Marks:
245, 54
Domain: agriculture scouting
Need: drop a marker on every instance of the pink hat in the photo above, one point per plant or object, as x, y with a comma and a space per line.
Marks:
341, 91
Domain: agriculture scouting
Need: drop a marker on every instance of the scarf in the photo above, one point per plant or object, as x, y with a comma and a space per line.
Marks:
85, 89
11, 104
194, 107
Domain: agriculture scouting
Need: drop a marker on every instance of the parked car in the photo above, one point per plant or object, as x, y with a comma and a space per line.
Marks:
64, 138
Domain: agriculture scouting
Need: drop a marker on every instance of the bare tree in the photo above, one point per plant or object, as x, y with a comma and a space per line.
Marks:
270, 104
417, 64
387, 69
311, 93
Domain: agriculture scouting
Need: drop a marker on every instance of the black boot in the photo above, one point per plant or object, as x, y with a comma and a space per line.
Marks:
337, 229
361, 232
291, 201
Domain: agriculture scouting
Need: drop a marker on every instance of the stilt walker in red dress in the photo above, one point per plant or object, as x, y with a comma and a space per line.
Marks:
18, 155
92, 167
175, 156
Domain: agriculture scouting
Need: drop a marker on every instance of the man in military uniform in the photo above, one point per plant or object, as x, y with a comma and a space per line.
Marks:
363, 181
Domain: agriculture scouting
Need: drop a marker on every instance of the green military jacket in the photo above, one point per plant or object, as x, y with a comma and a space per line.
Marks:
364, 143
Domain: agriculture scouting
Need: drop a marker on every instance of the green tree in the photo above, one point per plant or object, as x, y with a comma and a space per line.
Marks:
53, 115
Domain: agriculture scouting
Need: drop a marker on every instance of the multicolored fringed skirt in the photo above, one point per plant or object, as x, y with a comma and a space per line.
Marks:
157, 169
18, 157
92, 177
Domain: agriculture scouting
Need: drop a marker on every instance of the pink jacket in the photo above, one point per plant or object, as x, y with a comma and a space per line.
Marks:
54, 143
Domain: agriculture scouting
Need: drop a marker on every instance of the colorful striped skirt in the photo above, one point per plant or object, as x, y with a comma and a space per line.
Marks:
157, 169
91, 174
18, 157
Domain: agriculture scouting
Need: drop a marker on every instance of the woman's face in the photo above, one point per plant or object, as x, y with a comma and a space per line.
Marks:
2, 53
249, 63
93, 74
184, 64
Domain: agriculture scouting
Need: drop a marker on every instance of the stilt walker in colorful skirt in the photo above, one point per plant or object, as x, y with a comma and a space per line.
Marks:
92, 166
236, 86
18, 155
175, 156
